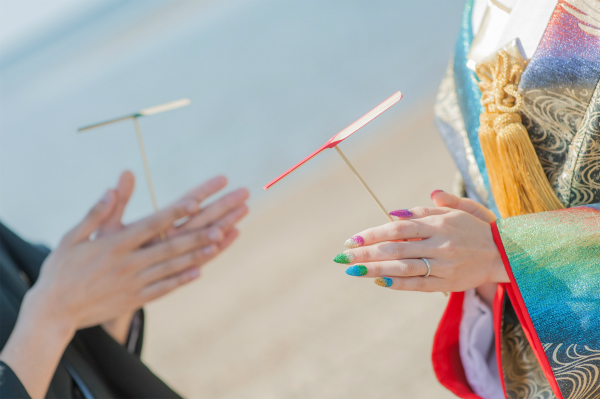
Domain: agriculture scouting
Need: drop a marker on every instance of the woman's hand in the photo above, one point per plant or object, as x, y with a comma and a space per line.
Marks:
221, 216
458, 246
487, 291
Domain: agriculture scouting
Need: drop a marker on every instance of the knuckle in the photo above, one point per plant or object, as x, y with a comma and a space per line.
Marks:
419, 284
170, 249
398, 251
154, 224
178, 212
422, 211
195, 257
199, 238
364, 254
170, 266
377, 269
409, 269
397, 228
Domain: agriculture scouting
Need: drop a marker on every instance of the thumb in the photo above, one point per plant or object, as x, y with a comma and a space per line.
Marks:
443, 199
93, 219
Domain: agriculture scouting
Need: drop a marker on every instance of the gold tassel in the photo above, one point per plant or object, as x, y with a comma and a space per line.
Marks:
517, 180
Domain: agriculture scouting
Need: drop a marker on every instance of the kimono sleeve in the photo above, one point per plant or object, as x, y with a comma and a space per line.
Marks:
553, 262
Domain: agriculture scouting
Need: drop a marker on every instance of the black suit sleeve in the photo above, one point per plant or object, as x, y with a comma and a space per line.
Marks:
10, 385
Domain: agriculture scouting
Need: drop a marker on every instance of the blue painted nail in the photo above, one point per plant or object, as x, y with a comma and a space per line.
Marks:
358, 270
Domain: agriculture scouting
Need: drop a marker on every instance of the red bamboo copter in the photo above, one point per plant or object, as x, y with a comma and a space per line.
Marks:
344, 134
145, 112
341, 136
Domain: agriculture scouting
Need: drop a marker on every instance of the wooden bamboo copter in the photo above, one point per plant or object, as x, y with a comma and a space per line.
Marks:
341, 136
145, 112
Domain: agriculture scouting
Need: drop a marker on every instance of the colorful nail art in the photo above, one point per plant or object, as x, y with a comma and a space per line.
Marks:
384, 281
401, 213
358, 270
355, 242
344, 257
435, 192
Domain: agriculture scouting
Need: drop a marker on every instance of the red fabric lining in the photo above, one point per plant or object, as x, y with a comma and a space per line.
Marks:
445, 354
519, 305
498, 311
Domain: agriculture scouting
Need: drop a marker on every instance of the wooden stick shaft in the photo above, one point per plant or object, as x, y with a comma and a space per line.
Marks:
138, 132
364, 184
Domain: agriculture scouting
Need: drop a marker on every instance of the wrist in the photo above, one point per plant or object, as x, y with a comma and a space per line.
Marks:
40, 312
499, 274
37, 343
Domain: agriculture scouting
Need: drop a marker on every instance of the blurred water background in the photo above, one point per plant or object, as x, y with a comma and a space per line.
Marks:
269, 80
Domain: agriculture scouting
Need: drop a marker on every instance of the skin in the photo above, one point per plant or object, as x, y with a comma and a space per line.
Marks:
454, 236
104, 280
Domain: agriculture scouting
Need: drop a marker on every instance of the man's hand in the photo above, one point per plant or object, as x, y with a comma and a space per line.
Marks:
219, 218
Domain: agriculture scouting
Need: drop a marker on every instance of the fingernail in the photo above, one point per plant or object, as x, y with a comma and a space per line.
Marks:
358, 270
210, 250
193, 273
106, 197
401, 213
383, 281
215, 235
344, 257
434, 192
192, 207
355, 242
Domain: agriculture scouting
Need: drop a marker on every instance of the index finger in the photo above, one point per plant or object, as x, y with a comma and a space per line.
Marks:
143, 230
396, 230
206, 189
392, 231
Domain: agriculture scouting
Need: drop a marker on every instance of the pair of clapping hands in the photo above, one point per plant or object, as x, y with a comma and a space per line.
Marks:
105, 279
454, 236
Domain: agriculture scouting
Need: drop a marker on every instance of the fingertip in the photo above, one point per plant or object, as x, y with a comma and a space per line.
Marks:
126, 183
215, 235
220, 181
210, 250
192, 273
244, 192
434, 192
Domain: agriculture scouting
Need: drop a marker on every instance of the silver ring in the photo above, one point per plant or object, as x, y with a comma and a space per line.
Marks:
428, 267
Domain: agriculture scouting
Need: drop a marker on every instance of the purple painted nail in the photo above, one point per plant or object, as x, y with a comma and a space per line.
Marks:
401, 213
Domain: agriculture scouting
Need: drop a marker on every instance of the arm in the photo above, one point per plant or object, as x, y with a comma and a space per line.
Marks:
87, 282
36, 345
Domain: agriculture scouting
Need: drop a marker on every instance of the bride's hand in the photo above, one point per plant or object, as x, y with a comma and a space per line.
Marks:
459, 247
440, 198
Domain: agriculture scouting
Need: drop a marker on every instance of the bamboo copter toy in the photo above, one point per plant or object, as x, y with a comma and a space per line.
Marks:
145, 112
341, 136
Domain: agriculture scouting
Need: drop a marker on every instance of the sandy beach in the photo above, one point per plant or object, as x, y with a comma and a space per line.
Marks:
275, 317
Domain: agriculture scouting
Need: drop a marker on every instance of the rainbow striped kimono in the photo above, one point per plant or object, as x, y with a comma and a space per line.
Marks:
547, 319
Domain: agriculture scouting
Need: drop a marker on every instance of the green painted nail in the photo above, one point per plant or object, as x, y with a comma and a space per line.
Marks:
344, 257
